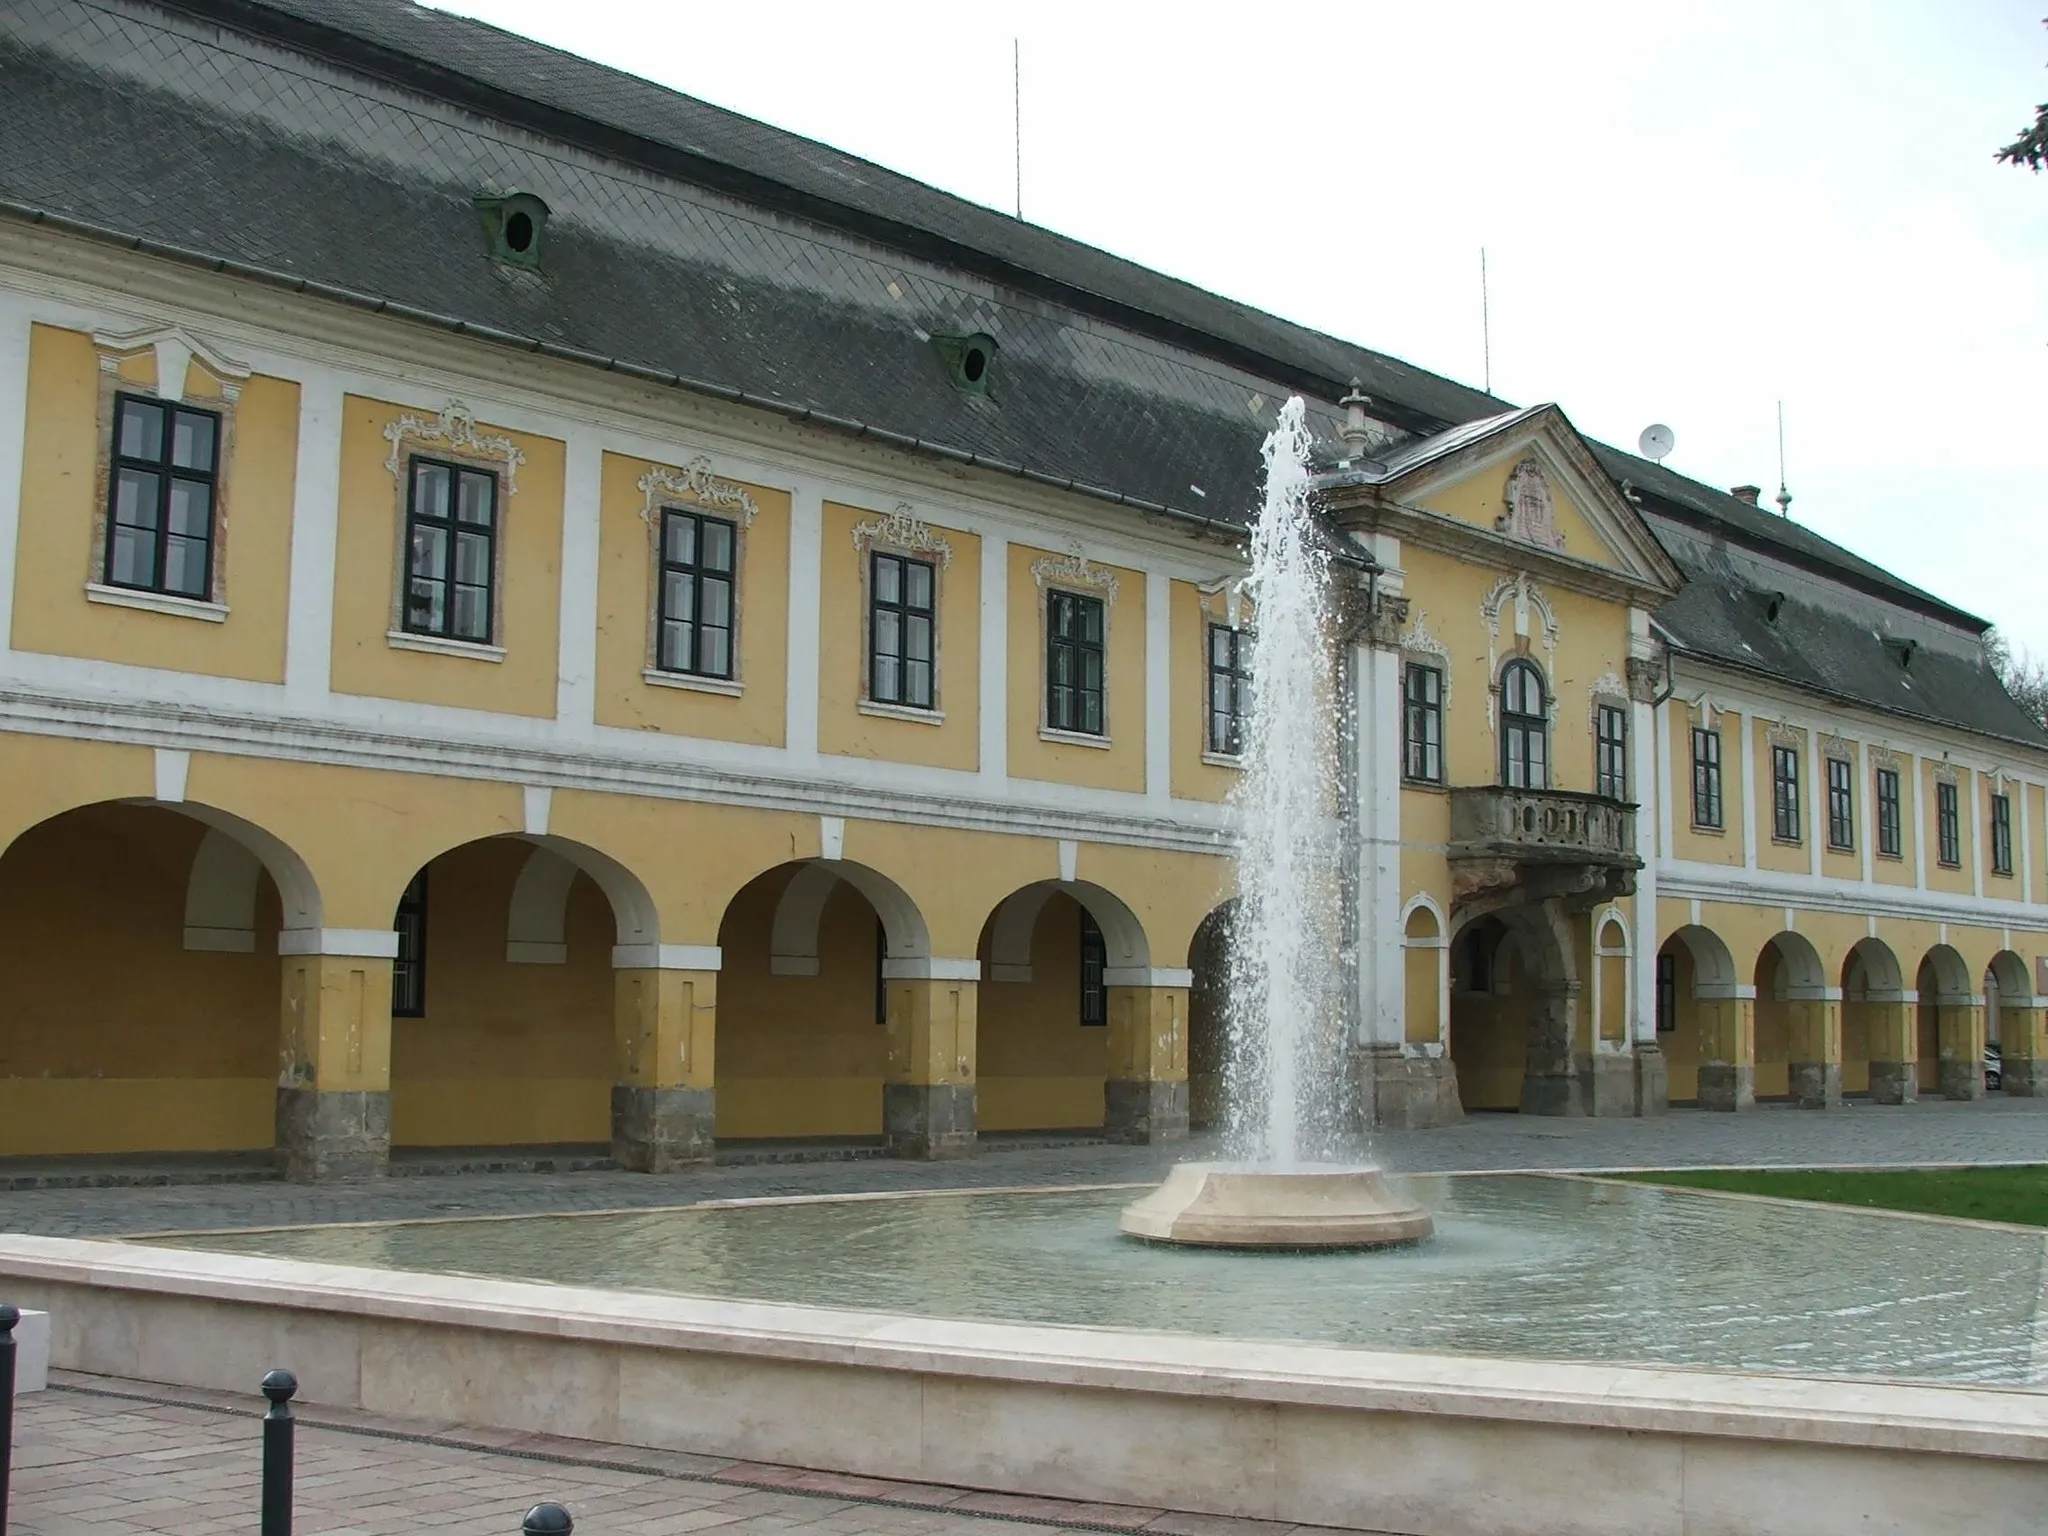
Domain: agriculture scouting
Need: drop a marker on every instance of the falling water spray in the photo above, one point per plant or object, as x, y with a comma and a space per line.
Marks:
1283, 1067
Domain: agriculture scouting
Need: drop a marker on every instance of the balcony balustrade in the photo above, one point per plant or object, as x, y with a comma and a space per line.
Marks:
1533, 844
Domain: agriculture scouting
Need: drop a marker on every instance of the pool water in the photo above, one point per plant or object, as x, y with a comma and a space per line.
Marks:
1521, 1265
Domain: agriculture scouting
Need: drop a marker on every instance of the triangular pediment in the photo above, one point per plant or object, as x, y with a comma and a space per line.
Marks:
1527, 482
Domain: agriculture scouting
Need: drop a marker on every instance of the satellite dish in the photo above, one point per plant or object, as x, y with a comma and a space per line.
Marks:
1656, 441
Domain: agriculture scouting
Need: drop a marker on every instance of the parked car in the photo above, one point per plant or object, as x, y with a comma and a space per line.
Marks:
1994, 1067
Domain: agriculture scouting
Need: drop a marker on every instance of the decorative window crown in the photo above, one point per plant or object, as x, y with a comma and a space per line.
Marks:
695, 483
903, 529
454, 431
1074, 569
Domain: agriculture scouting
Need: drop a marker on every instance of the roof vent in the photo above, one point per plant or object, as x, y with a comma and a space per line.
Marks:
1774, 604
1746, 494
513, 225
1902, 652
969, 360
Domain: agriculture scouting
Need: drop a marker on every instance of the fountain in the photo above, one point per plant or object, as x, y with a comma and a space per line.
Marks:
1283, 1187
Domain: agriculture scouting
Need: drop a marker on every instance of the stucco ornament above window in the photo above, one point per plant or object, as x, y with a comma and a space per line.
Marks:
1609, 690
1832, 745
453, 431
903, 529
1074, 569
1518, 598
1947, 773
695, 483
1528, 514
1418, 644
1885, 757
175, 348
1782, 734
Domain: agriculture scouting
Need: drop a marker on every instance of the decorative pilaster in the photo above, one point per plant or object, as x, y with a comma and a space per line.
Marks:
334, 1079
928, 1094
1145, 1096
664, 1104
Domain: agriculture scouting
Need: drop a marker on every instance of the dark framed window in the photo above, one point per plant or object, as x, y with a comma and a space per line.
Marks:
161, 485
881, 972
1073, 663
902, 625
1785, 794
1948, 824
1841, 803
409, 970
694, 622
2001, 834
451, 537
1706, 778
1094, 960
1610, 752
1423, 729
1891, 842
1667, 994
1230, 670
1525, 727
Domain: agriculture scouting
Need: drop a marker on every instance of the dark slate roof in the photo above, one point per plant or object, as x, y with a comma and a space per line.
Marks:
337, 144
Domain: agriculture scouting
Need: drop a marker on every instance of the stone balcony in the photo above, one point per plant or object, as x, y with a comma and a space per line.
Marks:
1514, 845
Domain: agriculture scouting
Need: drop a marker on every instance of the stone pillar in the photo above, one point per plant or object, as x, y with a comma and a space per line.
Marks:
1815, 1070
928, 1103
1894, 1048
1145, 1096
1552, 1082
665, 1018
2025, 1049
1962, 1048
1727, 1028
334, 1074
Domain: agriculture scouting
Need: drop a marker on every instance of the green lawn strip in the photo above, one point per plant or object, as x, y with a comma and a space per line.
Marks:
1981, 1194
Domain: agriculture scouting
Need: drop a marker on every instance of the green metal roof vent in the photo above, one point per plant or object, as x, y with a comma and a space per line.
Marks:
513, 225
970, 360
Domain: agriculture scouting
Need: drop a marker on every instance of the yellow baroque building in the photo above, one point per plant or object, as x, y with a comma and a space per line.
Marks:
541, 613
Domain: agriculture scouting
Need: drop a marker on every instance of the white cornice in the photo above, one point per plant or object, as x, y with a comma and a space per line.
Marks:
1687, 881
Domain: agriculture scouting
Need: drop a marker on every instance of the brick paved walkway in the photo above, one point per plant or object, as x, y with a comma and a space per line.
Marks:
1997, 1130
175, 1460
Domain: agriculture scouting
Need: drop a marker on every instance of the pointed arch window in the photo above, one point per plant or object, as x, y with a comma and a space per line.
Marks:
1525, 727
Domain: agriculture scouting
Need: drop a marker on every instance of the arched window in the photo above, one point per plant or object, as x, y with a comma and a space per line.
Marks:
1525, 732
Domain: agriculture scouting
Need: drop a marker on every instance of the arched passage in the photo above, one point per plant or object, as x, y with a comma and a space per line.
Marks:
803, 1008
1053, 954
2011, 1022
1875, 1010
503, 1002
1699, 1017
1208, 1021
1796, 1026
1519, 1032
1950, 1027
139, 960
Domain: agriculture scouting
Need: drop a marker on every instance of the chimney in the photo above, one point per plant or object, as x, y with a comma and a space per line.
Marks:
1746, 493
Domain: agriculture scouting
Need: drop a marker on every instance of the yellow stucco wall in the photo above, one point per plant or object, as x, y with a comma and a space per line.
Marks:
1771, 853
505, 1055
367, 558
62, 541
114, 1037
1481, 498
627, 605
1041, 1068
1940, 876
952, 741
1119, 765
1722, 845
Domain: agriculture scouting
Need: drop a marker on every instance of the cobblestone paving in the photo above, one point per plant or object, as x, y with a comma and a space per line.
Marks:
95, 1457
1996, 1130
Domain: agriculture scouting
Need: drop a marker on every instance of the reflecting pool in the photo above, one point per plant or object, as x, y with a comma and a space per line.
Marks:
1526, 1265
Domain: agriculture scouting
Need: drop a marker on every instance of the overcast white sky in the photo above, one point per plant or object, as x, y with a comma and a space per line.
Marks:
1690, 211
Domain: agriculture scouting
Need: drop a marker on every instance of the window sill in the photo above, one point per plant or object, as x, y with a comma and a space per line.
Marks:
1787, 842
1434, 786
1710, 831
1841, 847
2001, 874
156, 602
1223, 760
434, 645
1891, 858
908, 712
1955, 864
1073, 738
729, 687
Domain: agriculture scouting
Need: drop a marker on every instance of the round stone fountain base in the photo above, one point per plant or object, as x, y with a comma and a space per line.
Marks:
1217, 1205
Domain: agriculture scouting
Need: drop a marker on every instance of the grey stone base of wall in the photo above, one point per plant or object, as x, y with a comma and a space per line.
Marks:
329, 1137
1653, 1081
2026, 1077
1609, 1085
655, 1130
928, 1122
1398, 1092
1962, 1079
1140, 1113
1894, 1082
1816, 1084
1727, 1087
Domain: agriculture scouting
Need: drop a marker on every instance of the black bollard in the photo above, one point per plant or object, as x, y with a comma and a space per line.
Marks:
9, 1316
547, 1520
278, 1386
